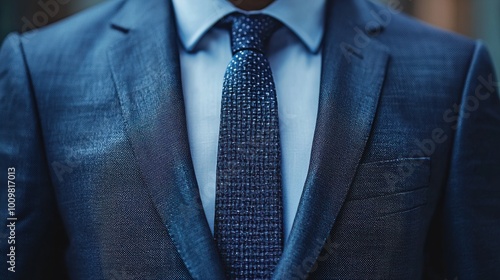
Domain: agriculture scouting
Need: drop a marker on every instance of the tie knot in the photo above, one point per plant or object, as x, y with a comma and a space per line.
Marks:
250, 31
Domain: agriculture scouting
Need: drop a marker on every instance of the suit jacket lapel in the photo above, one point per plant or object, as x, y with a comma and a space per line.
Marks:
352, 76
145, 66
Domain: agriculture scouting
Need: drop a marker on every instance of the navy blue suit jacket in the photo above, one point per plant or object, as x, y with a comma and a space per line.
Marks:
404, 180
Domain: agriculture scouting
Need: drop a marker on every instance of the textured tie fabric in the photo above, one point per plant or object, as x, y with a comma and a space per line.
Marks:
249, 208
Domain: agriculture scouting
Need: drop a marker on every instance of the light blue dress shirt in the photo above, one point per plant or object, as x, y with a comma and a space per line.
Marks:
294, 53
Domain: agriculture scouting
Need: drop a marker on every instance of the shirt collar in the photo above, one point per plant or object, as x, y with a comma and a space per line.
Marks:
304, 18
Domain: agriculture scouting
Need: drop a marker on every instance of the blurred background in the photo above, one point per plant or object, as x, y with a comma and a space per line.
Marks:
474, 18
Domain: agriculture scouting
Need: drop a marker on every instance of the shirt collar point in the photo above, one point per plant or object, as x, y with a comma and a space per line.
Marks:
311, 41
314, 44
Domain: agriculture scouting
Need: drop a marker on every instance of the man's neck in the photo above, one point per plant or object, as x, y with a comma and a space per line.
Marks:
250, 5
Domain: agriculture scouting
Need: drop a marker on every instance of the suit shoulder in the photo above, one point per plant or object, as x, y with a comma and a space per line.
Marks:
79, 29
404, 32
420, 52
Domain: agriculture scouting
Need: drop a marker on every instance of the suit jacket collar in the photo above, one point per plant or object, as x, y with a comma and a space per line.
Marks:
146, 70
351, 81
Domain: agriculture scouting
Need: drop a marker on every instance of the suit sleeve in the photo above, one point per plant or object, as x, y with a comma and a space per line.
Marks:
470, 218
31, 239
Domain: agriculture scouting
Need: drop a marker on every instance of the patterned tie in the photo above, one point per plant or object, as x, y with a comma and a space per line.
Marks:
249, 210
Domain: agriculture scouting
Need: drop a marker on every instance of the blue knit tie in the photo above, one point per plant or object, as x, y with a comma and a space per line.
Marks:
249, 209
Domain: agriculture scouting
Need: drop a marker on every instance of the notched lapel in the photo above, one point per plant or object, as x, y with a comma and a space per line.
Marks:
146, 70
352, 78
